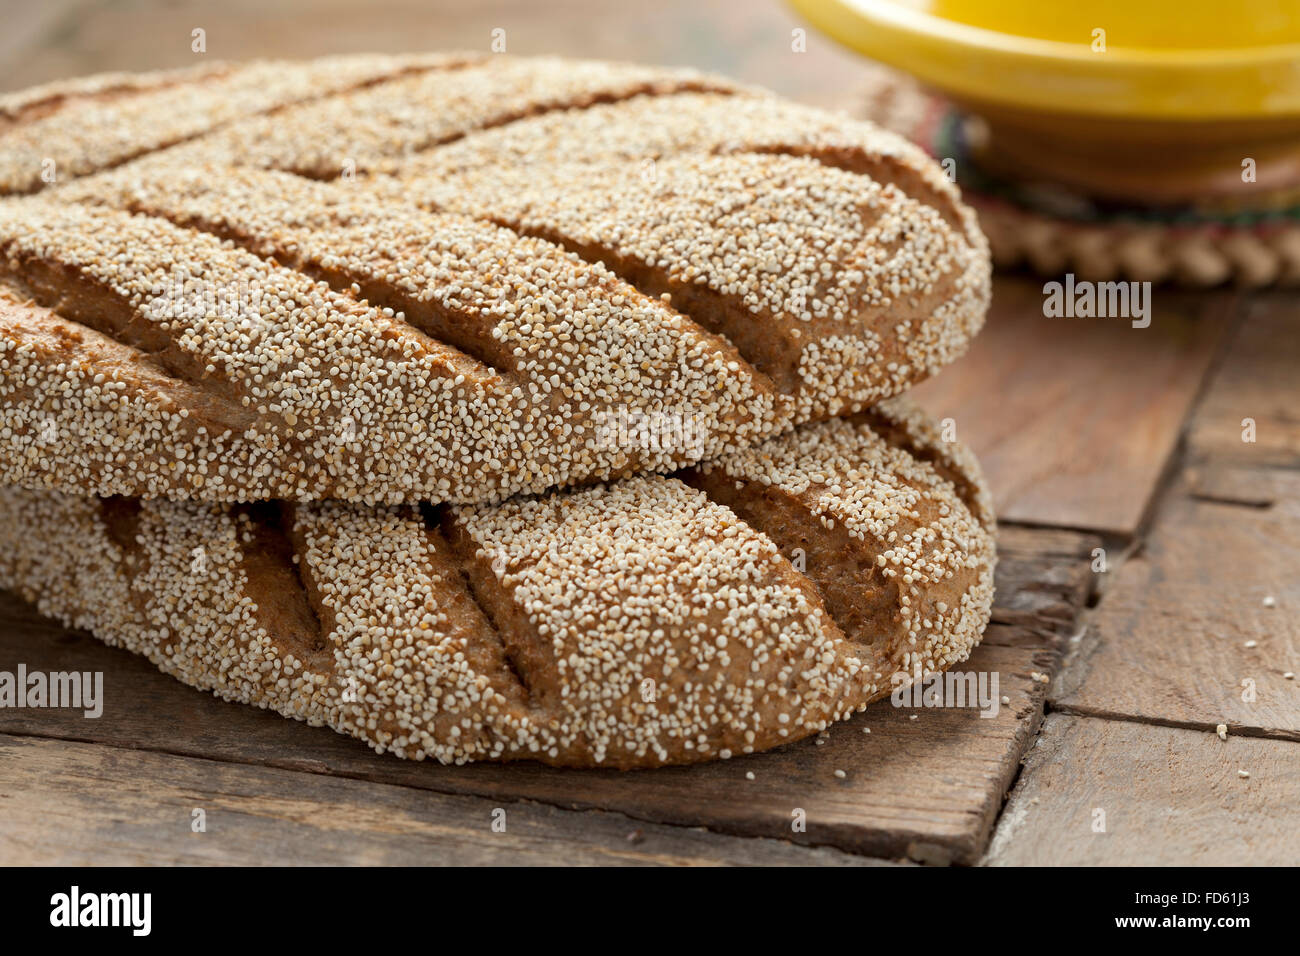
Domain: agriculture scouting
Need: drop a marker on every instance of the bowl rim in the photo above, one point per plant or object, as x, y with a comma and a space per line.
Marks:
1137, 79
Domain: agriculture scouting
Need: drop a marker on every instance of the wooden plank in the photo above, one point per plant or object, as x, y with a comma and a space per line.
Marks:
1228, 483
1043, 578
926, 789
1260, 380
1210, 604
70, 803
1074, 420
1170, 796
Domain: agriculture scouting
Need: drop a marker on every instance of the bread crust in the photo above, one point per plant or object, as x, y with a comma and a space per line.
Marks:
436, 324
78, 127
655, 620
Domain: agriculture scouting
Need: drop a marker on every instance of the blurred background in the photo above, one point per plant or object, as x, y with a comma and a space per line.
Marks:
749, 41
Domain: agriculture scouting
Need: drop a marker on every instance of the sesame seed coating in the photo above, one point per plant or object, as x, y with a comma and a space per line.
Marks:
649, 127
632, 624
570, 346
89, 133
903, 423
461, 330
841, 289
850, 479
373, 128
24, 106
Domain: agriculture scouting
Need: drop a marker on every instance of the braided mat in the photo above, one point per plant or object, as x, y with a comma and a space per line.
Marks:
1054, 232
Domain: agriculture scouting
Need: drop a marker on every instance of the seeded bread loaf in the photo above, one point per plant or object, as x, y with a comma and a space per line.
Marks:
450, 278
655, 620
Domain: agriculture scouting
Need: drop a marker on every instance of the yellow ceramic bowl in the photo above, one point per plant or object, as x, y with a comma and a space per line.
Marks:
1085, 93
1194, 59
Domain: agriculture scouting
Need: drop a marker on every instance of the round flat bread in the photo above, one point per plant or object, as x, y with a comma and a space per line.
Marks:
450, 278
725, 609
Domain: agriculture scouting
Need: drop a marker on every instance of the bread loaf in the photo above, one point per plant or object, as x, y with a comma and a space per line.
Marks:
450, 279
654, 620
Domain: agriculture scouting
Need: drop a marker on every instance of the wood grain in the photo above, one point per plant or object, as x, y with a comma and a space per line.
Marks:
1170, 796
1247, 485
925, 789
1044, 577
1075, 420
71, 803
1259, 379
1172, 632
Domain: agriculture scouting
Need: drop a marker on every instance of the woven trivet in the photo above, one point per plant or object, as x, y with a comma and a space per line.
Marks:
1052, 232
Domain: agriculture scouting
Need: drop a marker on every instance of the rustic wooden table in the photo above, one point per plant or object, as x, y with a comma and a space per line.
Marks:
1094, 436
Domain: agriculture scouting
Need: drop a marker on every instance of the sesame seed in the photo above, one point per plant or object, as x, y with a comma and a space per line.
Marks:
496, 355
364, 282
601, 586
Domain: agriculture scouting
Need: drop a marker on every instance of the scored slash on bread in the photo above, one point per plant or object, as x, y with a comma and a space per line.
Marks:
446, 328
431, 283
347, 400
728, 609
826, 282
81, 126
375, 128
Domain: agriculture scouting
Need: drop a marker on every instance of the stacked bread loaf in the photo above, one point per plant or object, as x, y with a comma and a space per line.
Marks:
488, 408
